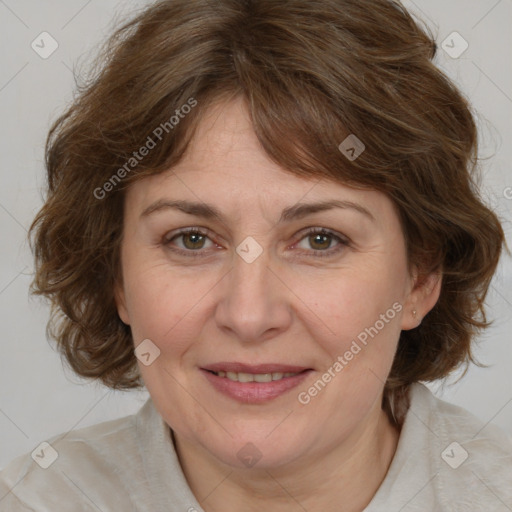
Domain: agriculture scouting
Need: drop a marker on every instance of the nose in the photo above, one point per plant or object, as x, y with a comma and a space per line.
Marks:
254, 303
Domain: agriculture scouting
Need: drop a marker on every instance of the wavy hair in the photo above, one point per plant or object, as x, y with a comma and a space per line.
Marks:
312, 72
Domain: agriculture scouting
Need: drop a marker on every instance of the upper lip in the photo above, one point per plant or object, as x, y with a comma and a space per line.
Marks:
254, 369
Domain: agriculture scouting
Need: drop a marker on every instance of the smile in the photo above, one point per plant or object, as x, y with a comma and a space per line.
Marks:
254, 384
258, 377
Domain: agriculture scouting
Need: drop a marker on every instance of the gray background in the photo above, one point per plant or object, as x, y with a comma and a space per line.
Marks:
38, 397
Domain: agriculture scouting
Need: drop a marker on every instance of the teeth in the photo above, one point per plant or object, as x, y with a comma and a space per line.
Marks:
242, 377
263, 377
258, 377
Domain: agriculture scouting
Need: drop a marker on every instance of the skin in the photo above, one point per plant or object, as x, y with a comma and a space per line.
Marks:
289, 306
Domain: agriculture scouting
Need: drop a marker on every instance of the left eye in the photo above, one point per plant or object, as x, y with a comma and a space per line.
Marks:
320, 241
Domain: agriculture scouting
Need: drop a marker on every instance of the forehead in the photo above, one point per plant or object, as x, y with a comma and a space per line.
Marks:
225, 164
225, 147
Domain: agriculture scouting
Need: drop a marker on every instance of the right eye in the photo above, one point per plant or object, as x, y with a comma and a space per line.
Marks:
189, 242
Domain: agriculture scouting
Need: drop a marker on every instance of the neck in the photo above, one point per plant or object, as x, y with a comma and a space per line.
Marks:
344, 477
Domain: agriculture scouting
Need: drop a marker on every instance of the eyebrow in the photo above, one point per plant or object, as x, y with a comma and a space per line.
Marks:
192, 208
295, 212
302, 210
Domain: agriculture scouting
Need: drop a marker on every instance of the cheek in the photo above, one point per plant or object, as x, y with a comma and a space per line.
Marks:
347, 301
360, 313
164, 304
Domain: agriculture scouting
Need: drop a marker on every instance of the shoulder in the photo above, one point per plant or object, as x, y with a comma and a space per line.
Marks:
82, 467
446, 460
470, 461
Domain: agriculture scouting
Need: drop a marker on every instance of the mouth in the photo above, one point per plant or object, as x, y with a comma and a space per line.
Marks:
254, 383
255, 377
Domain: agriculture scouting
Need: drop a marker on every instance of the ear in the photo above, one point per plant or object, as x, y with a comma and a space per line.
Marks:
119, 297
423, 296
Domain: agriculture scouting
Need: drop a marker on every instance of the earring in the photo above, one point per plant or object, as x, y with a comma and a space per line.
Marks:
414, 313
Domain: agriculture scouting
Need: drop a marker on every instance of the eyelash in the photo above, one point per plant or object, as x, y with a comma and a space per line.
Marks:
342, 242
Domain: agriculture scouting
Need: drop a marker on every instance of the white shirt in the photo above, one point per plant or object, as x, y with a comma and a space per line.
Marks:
130, 464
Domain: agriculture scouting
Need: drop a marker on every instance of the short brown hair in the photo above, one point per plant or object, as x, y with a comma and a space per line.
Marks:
312, 72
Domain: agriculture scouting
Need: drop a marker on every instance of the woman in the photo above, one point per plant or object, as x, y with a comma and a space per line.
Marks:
264, 212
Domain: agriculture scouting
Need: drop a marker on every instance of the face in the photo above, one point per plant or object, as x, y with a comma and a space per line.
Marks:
232, 264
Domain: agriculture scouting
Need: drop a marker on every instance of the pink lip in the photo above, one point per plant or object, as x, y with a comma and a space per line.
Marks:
255, 392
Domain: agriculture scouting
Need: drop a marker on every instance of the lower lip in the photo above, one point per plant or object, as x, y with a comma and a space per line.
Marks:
254, 392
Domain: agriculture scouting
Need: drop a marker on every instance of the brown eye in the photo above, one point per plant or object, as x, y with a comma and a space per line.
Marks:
320, 241
193, 240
